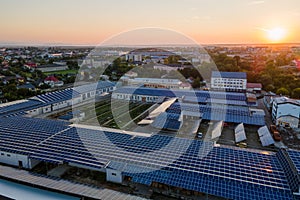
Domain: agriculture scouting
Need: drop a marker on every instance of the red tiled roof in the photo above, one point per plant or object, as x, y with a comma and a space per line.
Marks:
51, 78
254, 85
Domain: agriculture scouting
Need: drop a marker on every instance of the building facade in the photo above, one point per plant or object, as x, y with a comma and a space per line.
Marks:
229, 81
286, 112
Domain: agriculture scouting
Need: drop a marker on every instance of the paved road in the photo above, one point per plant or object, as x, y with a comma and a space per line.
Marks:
268, 117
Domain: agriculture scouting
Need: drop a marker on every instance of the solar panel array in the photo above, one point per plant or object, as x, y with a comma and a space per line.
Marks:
65, 147
58, 96
265, 136
182, 93
295, 157
93, 86
225, 113
190, 164
215, 100
21, 135
225, 172
168, 121
18, 108
289, 159
237, 75
240, 134
67, 94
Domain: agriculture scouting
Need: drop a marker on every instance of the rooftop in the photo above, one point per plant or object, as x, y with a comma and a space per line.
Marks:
237, 75
254, 85
191, 164
282, 100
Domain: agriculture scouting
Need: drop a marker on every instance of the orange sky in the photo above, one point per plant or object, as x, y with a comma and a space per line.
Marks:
92, 21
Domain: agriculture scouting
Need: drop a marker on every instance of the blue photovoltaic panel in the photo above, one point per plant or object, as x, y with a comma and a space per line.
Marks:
58, 96
21, 135
236, 75
235, 114
93, 86
19, 108
168, 121
182, 93
295, 157
224, 172
290, 164
65, 147
191, 164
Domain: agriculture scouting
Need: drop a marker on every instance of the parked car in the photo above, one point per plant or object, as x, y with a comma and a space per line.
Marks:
273, 128
242, 145
275, 132
225, 124
199, 135
277, 136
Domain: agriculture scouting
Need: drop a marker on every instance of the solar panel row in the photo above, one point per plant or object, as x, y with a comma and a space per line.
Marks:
220, 113
58, 96
181, 93
18, 108
190, 164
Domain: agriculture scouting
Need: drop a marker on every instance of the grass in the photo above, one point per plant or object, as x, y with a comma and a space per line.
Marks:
62, 72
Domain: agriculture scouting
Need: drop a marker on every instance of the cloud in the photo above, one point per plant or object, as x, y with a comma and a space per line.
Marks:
261, 29
256, 2
203, 18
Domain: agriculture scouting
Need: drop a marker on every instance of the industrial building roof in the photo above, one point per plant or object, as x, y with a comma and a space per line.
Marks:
18, 107
295, 157
190, 164
282, 100
93, 86
235, 75
57, 96
67, 94
235, 114
181, 93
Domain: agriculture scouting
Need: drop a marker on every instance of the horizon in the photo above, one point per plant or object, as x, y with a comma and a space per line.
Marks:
8, 45
89, 23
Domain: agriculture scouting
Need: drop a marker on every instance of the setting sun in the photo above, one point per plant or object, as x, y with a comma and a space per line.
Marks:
276, 34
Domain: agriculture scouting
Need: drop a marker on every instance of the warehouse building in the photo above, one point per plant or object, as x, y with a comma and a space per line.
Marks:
61, 99
286, 112
155, 161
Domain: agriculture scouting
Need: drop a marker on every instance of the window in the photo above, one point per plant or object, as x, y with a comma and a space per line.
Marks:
2, 154
8, 155
114, 174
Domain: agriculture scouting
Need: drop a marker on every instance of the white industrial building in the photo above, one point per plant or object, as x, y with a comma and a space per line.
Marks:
61, 99
286, 112
158, 83
229, 81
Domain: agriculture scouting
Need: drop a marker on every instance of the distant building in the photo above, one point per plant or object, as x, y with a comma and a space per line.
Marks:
53, 81
133, 57
229, 81
28, 86
131, 74
286, 112
30, 65
167, 68
254, 87
268, 99
52, 67
155, 82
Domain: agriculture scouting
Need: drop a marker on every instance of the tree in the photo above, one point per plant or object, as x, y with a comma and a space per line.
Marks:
282, 91
296, 93
270, 87
196, 83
